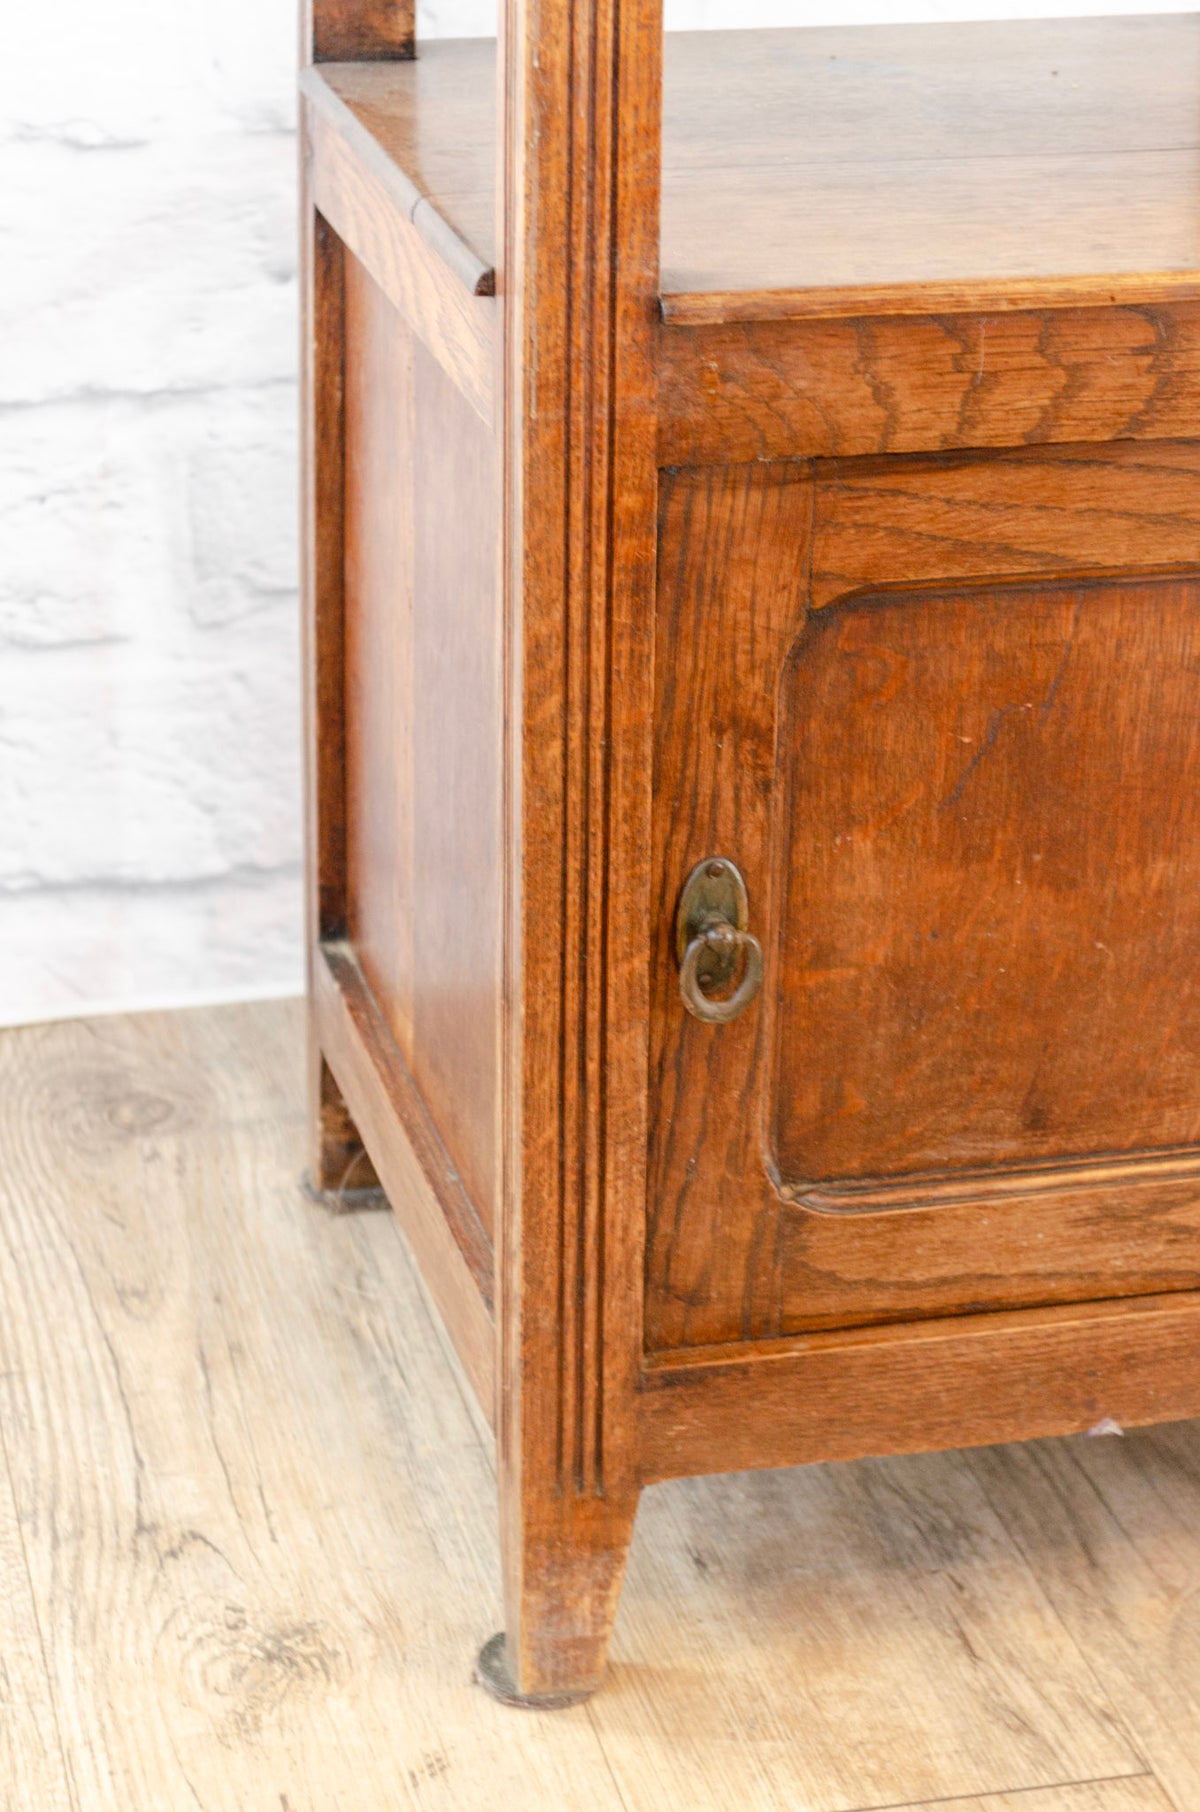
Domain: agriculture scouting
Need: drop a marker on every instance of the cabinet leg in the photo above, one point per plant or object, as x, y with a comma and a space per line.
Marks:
340, 1175
562, 1588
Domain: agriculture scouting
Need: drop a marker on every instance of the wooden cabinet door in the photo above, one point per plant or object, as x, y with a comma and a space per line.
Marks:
944, 714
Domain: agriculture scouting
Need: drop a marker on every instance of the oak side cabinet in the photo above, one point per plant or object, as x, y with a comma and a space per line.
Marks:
753, 676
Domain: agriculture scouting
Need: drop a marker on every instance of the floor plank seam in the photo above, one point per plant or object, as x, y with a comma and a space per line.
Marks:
1006, 1793
1120, 1722
197, 1353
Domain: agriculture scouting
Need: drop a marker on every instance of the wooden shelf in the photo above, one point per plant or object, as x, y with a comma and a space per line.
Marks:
809, 172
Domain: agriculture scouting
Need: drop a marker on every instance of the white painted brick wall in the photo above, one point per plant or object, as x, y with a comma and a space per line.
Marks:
149, 752
149, 716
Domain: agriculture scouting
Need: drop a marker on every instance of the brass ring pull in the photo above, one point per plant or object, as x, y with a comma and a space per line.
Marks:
712, 943
721, 939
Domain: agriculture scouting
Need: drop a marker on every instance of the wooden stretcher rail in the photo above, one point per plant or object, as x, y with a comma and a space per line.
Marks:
424, 1189
963, 1381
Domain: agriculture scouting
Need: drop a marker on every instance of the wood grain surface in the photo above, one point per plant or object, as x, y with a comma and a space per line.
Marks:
248, 1548
917, 1196
435, 123
424, 711
959, 1381
1058, 511
439, 1218
745, 552
785, 389
579, 279
847, 171
371, 205
338, 1164
878, 158
1077, 1508
34, 1769
1133, 1795
384, 29
260, 1545
987, 912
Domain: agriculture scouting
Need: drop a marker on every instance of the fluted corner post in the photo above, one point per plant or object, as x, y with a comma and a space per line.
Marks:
578, 281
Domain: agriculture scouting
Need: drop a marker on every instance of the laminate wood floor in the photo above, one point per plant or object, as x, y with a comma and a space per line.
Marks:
247, 1525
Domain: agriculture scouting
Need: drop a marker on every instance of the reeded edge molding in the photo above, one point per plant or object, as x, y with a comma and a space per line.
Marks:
579, 298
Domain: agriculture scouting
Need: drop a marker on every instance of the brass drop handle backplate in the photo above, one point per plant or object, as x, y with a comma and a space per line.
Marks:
713, 943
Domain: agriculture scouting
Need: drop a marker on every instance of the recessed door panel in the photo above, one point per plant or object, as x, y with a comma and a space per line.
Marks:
988, 939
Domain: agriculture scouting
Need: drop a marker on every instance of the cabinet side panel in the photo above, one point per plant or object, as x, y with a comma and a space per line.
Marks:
424, 722
379, 645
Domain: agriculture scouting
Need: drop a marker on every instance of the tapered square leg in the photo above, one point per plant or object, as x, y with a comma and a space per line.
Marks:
564, 1564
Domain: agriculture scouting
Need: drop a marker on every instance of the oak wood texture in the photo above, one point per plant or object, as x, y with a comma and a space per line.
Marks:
352, 100
786, 389
33, 1765
579, 278
751, 552
334, 29
851, 533
999, 160
248, 1540
424, 712
962, 1381
375, 211
323, 534
434, 126
1054, 511
873, 169
990, 895
337, 1162
414, 1166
